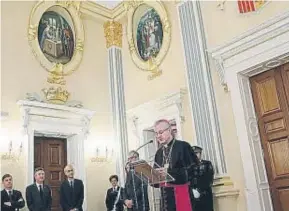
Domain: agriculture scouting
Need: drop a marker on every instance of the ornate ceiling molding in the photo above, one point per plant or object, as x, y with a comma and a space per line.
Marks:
102, 13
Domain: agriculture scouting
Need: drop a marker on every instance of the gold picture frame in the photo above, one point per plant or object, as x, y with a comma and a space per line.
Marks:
67, 10
136, 12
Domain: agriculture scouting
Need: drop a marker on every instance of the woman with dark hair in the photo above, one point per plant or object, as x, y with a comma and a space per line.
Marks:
114, 195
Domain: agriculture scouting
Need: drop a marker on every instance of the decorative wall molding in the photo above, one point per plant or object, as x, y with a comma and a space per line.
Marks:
52, 120
142, 117
251, 44
227, 193
200, 86
258, 50
169, 105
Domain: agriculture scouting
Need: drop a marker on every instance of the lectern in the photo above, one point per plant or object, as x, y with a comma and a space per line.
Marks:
150, 175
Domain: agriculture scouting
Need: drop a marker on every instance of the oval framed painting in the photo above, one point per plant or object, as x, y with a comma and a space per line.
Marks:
56, 36
149, 33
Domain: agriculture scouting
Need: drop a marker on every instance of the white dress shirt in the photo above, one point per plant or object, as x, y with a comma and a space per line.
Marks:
8, 191
38, 186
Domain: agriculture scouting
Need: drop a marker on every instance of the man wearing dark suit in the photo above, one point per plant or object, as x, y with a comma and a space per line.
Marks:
11, 200
71, 191
202, 182
38, 195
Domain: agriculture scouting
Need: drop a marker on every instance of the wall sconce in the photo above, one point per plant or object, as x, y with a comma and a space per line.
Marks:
10, 155
101, 158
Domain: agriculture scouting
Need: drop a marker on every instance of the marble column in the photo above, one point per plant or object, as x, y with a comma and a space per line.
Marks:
113, 33
202, 99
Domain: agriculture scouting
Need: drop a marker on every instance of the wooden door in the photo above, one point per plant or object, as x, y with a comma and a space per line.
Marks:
50, 153
271, 99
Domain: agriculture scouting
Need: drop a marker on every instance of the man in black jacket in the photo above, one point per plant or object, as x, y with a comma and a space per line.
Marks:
136, 190
11, 199
114, 195
71, 191
38, 195
202, 183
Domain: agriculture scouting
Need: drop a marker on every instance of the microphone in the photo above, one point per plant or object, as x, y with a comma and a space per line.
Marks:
149, 142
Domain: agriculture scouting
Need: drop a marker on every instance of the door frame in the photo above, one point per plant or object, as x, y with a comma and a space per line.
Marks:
260, 49
57, 121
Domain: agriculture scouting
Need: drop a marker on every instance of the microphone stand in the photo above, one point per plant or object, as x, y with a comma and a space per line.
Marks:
127, 163
149, 142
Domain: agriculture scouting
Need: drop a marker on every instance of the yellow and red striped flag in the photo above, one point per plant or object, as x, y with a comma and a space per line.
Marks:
246, 6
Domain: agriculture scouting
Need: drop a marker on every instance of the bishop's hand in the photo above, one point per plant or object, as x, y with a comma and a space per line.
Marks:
162, 171
128, 203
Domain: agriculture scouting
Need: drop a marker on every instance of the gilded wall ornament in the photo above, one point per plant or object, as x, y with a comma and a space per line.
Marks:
113, 33
56, 36
56, 95
148, 34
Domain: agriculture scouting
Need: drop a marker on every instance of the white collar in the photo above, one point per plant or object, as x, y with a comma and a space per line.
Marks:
8, 191
38, 185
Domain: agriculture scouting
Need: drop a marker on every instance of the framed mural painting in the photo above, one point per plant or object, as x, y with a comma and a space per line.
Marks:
56, 36
149, 34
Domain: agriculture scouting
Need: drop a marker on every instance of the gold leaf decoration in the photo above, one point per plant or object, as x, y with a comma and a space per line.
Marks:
113, 33
56, 95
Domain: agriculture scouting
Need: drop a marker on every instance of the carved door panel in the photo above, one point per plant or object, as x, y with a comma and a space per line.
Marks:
270, 95
50, 153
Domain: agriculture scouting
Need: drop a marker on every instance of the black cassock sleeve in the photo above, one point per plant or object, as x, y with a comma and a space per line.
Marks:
183, 159
183, 170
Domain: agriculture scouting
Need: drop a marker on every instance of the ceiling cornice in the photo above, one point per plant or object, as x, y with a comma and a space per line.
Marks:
102, 13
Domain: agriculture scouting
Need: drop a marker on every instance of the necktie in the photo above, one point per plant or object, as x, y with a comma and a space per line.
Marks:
71, 189
10, 195
41, 192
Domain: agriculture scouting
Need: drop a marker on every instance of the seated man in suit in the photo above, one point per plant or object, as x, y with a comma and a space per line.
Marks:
71, 191
11, 199
38, 195
114, 195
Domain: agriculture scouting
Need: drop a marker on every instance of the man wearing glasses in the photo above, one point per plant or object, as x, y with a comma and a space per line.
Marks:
175, 158
71, 191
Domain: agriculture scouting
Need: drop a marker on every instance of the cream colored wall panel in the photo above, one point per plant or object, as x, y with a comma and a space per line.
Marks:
223, 25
